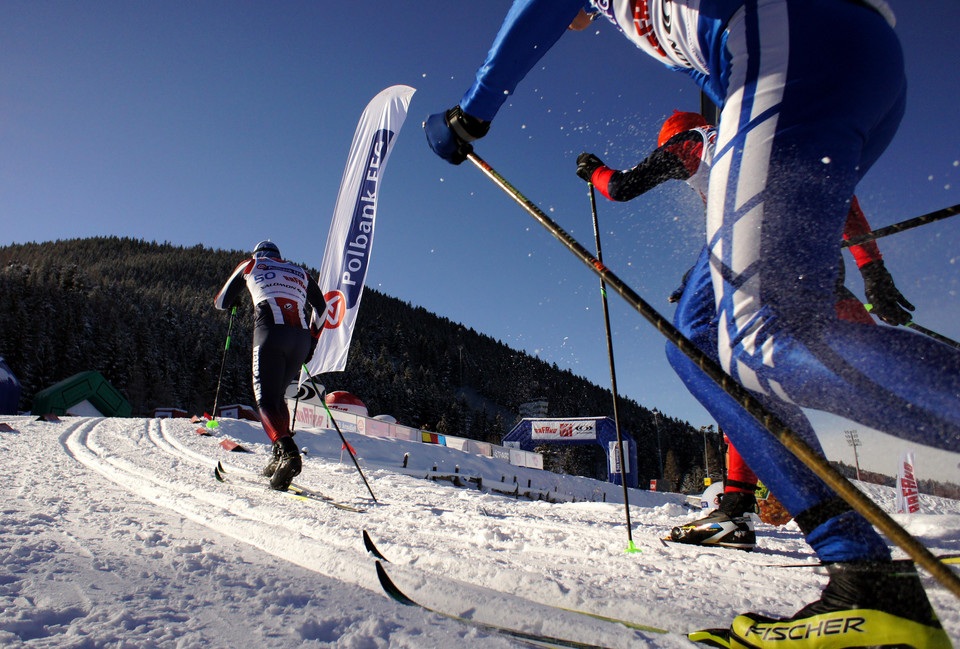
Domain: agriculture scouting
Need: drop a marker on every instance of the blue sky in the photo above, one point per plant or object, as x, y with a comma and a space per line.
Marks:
223, 123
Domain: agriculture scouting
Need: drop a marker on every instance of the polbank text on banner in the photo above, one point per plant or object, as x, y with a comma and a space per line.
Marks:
350, 240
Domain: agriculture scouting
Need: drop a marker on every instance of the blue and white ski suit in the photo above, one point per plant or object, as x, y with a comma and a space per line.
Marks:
811, 92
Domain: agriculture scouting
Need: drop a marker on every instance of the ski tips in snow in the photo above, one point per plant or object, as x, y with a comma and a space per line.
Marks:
522, 637
391, 589
371, 548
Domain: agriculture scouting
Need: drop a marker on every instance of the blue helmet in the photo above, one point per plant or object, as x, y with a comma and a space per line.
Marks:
267, 249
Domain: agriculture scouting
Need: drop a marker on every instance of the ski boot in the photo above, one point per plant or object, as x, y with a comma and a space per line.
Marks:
737, 503
271, 467
718, 529
728, 526
288, 466
865, 604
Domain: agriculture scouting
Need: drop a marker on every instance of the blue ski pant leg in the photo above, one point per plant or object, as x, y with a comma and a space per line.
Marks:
844, 537
804, 118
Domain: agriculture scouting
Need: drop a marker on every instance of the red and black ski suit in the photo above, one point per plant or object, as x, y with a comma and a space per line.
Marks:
687, 156
282, 341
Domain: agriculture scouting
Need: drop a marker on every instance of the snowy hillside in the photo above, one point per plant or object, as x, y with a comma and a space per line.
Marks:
113, 533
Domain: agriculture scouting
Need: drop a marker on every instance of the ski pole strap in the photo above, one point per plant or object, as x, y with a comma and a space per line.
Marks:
939, 215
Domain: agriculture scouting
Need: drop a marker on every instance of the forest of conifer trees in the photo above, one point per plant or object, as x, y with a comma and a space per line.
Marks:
142, 315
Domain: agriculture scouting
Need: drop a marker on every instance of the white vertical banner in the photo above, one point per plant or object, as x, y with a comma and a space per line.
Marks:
613, 450
350, 240
908, 496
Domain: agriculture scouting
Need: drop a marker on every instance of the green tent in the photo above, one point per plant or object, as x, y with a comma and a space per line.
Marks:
87, 386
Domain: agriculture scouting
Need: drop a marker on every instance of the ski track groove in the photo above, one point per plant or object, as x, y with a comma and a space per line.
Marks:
88, 543
525, 553
522, 555
251, 521
247, 520
217, 509
248, 523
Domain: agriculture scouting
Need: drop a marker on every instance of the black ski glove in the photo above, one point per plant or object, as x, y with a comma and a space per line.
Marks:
678, 292
888, 303
450, 133
587, 163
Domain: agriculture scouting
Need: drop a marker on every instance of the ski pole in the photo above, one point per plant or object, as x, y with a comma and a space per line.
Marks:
818, 464
213, 423
293, 424
933, 334
613, 375
939, 215
337, 428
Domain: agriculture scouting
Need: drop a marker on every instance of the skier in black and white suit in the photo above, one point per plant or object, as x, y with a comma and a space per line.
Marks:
282, 341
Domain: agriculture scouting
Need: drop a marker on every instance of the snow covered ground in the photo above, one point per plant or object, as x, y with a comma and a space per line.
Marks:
113, 533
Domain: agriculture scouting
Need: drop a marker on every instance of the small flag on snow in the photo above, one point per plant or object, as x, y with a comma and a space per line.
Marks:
230, 445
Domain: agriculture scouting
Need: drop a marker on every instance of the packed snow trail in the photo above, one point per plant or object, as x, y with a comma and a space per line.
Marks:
114, 533
86, 562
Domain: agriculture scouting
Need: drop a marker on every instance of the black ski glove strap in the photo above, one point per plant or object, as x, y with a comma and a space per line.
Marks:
888, 303
466, 127
587, 163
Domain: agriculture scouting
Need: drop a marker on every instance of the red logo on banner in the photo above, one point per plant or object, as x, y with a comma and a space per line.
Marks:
908, 489
566, 430
336, 309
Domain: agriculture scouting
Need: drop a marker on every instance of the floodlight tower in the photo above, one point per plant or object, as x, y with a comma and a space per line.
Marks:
854, 440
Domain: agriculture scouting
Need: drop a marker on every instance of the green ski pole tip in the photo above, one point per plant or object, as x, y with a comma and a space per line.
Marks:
213, 423
632, 548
